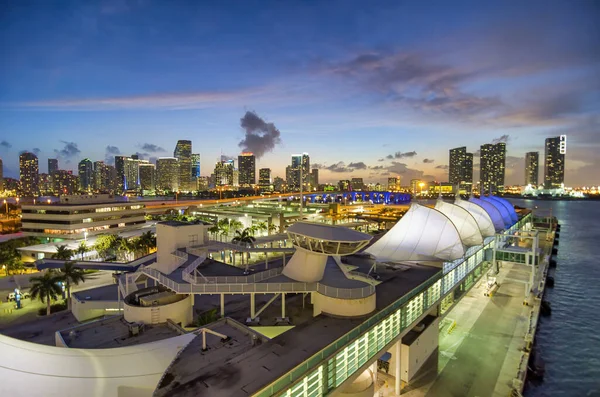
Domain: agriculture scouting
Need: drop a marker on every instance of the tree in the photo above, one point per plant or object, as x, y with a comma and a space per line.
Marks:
46, 288
82, 249
243, 238
63, 253
262, 226
125, 246
105, 245
71, 275
147, 242
272, 228
235, 225
214, 229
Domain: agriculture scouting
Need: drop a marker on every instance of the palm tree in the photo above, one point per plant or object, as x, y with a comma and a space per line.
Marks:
214, 229
126, 247
82, 249
244, 237
148, 241
63, 253
272, 228
71, 275
235, 225
46, 288
262, 226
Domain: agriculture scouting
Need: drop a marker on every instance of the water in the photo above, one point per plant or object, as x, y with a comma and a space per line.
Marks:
569, 340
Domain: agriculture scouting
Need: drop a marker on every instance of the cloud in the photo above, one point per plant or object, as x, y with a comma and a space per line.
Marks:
358, 166
503, 139
5, 145
407, 173
151, 148
109, 154
428, 161
377, 167
400, 155
141, 156
36, 151
381, 159
442, 167
261, 137
112, 150
340, 167
69, 150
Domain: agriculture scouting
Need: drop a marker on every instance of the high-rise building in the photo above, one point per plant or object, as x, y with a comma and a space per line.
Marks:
120, 172
493, 160
45, 184
167, 174
278, 184
64, 182
183, 153
203, 183
147, 172
195, 167
29, 170
299, 162
357, 184
52, 166
460, 170
224, 172
1, 176
264, 179
102, 177
394, 184
247, 168
344, 185
314, 178
132, 174
86, 174
554, 165
532, 161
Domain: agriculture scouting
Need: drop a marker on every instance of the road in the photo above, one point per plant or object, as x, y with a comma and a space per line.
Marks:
8, 284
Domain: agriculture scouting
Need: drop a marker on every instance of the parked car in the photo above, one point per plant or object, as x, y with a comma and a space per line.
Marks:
12, 296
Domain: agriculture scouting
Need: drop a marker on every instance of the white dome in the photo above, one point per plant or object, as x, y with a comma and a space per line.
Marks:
465, 222
485, 223
511, 209
501, 209
492, 211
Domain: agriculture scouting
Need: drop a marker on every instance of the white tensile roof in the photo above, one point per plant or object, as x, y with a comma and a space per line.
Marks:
465, 222
31, 369
328, 232
511, 209
492, 211
485, 223
501, 209
421, 234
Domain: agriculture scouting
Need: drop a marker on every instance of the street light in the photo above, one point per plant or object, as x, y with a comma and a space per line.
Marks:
6, 204
85, 236
421, 186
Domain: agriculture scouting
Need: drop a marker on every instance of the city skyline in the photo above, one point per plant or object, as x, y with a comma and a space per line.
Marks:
416, 87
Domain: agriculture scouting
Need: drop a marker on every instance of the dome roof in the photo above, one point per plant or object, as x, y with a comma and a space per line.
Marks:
465, 222
501, 208
492, 211
485, 223
421, 234
511, 209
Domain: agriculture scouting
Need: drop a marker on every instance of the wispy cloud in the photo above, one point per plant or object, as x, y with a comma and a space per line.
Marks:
5, 145
151, 148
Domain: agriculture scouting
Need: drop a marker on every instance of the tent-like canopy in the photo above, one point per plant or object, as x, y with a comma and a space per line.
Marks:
485, 223
30, 369
422, 234
465, 222
501, 209
492, 211
511, 209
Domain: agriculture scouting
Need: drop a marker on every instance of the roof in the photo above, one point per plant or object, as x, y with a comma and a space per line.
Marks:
501, 209
485, 223
492, 211
511, 209
465, 222
38, 370
328, 232
421, 234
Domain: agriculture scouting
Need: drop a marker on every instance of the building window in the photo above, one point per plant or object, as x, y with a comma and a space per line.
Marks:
193, 238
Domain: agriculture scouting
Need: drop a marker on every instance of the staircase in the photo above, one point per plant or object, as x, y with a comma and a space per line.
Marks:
155, 315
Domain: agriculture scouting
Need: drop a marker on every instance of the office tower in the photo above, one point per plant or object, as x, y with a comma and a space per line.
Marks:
102, 177
532, 161
167, 172
86, 174
344, 185
224, 172
183, 153
247, 168
120, 172
195, 167
264, 179
203, 183
147, 172
45, 184
278, 184
493, 159
394, 184
131, 173
1, 176
554, 166
52, 166
299, 161
64, 182
460, 170
28, 171
314, 178
357, 184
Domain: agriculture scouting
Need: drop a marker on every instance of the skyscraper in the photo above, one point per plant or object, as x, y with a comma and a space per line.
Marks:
394, 184
247, 168
460, 170
52, 166
147, 172
167, 171
102, 178
131, 173
314, 178
120, 171
532, 161
86, 174
224, 172
29, 170
195, 167
183, 154
493, 159
299, 161
264, 179
554, 165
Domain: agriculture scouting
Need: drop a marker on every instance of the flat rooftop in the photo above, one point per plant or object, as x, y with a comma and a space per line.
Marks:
104, 293
113, 332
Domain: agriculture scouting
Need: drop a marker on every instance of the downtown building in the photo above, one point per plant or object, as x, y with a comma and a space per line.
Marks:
103, 177
299, 170
183, 154
532, 161
460, 169
28, 173
554, 165
264, 179
247, 169
224, 172
147, 178
393, 184
85, 171
167, 174
492, 167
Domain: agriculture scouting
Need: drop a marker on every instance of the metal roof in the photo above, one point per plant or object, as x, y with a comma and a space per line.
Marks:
328, 232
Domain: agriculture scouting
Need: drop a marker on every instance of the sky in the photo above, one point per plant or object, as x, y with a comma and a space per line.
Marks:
368, 89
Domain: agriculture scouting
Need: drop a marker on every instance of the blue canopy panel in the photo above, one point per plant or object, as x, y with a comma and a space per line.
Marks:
492, 211
511, 209
501, 208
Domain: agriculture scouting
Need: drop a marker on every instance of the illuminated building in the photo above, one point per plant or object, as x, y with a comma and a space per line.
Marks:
394, 184
167, 174
236, 178
183, 153
76, 217
52, 166
102, 177
28, 170
203, 183
64, 182
299, 162
357, 184
224, 172
45, 184
195, 167
493, 159
247, 168
460, 169
278, 184
120, 171
86, 174
264, 179
415, 186
554, 166
344, 185
147, 173
314, 178
531, 168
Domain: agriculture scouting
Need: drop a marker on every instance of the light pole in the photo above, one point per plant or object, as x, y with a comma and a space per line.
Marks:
421, 186
6, 204
85, 236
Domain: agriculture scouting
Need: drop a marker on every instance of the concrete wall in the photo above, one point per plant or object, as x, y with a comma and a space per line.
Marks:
86, 310
179, 312
362, 386
414, 355
305, 266
170, 238
343, 307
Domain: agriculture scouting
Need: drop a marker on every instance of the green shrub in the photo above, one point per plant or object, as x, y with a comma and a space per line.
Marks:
54, 308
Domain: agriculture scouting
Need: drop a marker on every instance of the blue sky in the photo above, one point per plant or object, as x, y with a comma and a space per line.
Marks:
368, 89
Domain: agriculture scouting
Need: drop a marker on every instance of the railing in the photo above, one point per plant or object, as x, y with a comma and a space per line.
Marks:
346, 293
252, 278
190, 273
